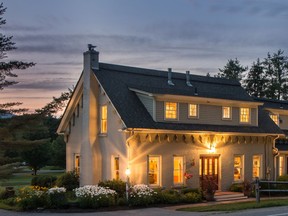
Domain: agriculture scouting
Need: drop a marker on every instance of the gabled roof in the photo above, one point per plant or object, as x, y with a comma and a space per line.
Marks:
118, 80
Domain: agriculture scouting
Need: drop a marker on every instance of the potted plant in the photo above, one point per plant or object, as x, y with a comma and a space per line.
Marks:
247, 188
209, 187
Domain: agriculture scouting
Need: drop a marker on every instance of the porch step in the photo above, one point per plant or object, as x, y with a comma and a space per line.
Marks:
229, 196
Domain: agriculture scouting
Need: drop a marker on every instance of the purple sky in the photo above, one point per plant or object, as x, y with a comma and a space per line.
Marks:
195, 35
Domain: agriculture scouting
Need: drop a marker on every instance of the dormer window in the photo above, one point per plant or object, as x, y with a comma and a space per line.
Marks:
171, 110
275, 118
193, 110
226, 113
244, 115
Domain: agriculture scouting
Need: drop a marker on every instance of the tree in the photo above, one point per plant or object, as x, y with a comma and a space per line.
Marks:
37, 157
7, 67
232, 70
276, 68
256, 82
58, 150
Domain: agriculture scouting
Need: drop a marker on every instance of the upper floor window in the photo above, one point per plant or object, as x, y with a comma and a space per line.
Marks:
275, 118
193, 110
226, 113
104, 119
171, 110
244, 115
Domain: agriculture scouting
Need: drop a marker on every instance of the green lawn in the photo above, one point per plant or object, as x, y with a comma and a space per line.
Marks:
24, 179
237, 206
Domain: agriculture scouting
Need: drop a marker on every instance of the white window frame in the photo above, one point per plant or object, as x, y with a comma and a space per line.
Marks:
102, 131
259, 166
241, 167
177, 111
249, 117
197, 111
181, 170
230, 113
159, 170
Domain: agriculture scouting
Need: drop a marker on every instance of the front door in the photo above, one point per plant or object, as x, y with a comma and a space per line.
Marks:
208, 167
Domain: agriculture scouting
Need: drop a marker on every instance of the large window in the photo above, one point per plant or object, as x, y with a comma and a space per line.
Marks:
281, 165
238, 167
226, 113
104, 119
256, 166
171, 110
275, 118
116, 174
77, 163
193, 110
154, 170
244, 115
178, 170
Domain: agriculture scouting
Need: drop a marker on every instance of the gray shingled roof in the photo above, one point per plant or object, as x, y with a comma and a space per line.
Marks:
116, 81
272, 103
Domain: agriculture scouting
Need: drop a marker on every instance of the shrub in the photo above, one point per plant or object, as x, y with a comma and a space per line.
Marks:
6, 193
236, 187
189, 190
282, 186
43, 181
191, 197
141, 195
168, 197
56, 197
94, 196
118, 185
69, 180
31, 197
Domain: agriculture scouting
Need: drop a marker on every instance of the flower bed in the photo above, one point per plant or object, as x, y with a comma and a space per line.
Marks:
94, 196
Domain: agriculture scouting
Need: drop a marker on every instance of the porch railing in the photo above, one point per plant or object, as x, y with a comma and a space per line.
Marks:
271, 187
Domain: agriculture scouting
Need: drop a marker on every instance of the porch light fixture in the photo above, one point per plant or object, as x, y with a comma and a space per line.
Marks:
212, 148
127, 173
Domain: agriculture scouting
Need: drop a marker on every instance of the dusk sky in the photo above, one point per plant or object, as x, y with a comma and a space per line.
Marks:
195, 35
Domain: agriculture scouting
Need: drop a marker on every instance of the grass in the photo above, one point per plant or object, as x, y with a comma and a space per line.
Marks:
237, 206
7, 207
24, 179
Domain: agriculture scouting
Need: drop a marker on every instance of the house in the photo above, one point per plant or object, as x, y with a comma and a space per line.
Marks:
278, 111
165, 127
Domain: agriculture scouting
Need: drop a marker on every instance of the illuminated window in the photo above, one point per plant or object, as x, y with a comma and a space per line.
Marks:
178, 170
171, 110
275, 118
281, 165
238, 168
77, 163
104, 119
256, 166
193, 110
154, 170
226, 112
116, 175
244, 115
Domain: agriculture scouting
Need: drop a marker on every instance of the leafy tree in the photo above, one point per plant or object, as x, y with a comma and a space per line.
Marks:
232, 70
58, 150
256, 82
276, 68
37, 157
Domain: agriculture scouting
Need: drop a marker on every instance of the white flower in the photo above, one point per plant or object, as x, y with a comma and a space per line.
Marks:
93, 191
56, 190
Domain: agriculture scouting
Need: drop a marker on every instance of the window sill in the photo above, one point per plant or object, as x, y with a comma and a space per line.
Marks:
102, 135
